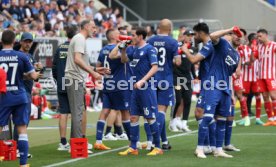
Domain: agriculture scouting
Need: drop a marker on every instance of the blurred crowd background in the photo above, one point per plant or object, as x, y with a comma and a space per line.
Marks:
48, 18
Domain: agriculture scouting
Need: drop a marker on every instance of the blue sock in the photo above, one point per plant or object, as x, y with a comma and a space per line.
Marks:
220, 132
23, 147
155, 133
206, 140
162, 126
100, 129
203, 130
228, 132
134, 134
212, 133
126, 125
148, 132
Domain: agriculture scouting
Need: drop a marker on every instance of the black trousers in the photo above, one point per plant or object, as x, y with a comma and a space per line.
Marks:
184, 93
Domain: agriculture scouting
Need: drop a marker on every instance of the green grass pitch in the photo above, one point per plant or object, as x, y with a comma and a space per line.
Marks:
257, 144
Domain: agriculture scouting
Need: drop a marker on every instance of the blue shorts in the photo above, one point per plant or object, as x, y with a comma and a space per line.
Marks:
116, 100
217, 103
64, 107
20, 114
144, 103
201, 100
166, 97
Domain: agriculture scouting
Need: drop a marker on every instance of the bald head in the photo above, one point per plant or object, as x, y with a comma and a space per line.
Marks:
165, 26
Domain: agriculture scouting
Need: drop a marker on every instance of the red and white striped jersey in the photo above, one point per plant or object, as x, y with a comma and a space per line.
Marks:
267, 60
249, 72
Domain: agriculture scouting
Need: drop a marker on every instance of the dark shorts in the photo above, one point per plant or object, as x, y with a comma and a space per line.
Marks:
144, 103
64, 107
20, 114
201, 100
166, 97
116, 100
217, 103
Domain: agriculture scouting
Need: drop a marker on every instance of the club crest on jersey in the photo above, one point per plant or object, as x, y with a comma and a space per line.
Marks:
141, 53
229, 61
208, 107
134, 62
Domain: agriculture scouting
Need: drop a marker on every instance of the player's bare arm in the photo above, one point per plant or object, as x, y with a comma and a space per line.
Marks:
124, 58
114, 54
238, 70
153, 70
192, 58
79, 61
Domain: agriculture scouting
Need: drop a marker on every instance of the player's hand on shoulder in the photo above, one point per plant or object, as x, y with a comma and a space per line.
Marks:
139, 84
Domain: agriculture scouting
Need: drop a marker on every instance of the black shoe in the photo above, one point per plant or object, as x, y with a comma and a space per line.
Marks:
251, 114
166, 147
29, 155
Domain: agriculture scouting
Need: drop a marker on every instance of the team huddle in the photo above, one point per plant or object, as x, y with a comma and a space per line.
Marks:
138, 80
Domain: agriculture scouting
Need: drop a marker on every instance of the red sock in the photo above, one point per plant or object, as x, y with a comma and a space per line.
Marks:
268, 109
244, 109
274, 107
258, 106
87, 99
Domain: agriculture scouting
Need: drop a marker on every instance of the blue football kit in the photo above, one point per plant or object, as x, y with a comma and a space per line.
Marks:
167, 50
14, 102
115, 94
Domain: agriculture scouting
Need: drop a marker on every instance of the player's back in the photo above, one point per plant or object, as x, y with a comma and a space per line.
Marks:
15, 64
224, 65
59, 64
167, 49
267, 60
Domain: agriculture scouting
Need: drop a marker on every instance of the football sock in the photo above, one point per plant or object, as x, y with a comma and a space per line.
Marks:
148, 132
99, 131
203, 130
23, 147
63, 141
118, 129
212, 133
244, 109
258, 106
162, 126
207, 138
155, 133
126, 125
134, 134
220, 132
228, 132
108, 129
268, 110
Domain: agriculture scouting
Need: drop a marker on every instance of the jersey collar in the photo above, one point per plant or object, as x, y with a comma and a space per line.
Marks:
143, 46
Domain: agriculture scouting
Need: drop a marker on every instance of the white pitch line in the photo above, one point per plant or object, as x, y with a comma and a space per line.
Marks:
109, 151
120, 148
